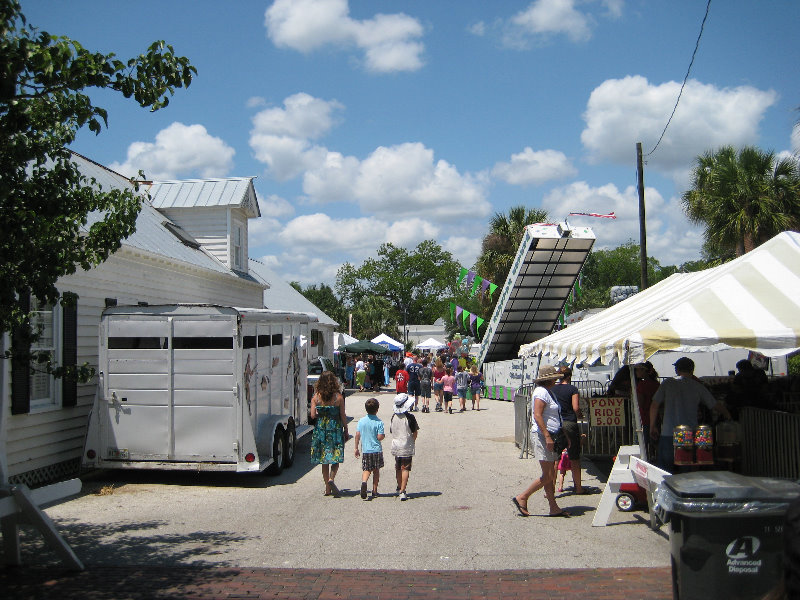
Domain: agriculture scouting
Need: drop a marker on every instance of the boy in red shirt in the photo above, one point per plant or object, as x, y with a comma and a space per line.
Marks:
401, 379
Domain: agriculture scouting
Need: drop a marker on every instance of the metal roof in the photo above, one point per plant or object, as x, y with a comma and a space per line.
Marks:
282, 296
544, 271
151, 235
192, 193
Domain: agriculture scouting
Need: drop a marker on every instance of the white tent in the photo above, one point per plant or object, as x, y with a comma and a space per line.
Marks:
387, 342
752, 302
430, 344
341, 339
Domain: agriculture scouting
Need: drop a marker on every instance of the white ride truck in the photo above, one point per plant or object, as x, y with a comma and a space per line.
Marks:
199, 387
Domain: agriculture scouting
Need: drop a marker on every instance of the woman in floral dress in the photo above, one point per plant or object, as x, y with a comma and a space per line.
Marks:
330, 430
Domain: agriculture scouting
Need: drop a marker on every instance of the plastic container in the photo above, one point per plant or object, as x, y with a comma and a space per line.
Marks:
725, 532
683, 444
704, 445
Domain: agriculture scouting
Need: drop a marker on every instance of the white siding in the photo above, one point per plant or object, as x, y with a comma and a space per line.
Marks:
239, 219
40, 439
209, 226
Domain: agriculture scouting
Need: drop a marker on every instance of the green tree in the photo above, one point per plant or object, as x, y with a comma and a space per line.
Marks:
374, 315
323, 296
742, 198
499, 246
44, 200
417, 284
605, 269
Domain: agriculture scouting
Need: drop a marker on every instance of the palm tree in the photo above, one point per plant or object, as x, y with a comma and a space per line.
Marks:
743, 198
500, 245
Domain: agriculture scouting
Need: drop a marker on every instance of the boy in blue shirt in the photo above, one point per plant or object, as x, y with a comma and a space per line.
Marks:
368, 438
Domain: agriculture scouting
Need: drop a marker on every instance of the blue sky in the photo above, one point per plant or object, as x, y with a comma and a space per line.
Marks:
375, 121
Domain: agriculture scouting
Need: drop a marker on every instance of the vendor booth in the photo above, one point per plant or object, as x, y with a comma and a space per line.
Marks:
752, 302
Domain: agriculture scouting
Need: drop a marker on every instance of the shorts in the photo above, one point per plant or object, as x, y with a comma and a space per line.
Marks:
573, 432
426, 389
403, 463
371, 461
475, 392
448, 396
360, 377
438, 387
462, 393
540, 450
414, 388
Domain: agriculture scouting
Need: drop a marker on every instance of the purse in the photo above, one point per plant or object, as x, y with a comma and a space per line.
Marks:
559, 440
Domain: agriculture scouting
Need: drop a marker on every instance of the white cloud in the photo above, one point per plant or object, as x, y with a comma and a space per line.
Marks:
178, 151
389, 41
529, 167
795, 140
614, 8
255, 102
621, 112
465, 250
670, 238
478, 29
280, 137
275, 206
553, 17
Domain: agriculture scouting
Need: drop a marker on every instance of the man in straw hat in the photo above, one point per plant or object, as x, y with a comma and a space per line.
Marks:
403, 428
545, 423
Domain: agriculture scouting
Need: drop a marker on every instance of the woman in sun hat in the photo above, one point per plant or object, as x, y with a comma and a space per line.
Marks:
545, 422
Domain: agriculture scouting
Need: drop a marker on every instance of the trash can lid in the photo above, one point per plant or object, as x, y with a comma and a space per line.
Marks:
712, 491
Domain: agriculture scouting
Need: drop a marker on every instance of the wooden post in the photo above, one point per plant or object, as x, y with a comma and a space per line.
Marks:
642, 230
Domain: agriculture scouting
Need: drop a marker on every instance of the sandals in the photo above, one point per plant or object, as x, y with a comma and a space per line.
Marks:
523, 511
563, 513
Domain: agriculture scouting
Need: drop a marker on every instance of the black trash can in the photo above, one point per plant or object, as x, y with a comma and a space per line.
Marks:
725, 532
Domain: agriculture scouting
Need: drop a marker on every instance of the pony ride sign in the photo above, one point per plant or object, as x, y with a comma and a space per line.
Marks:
607, 412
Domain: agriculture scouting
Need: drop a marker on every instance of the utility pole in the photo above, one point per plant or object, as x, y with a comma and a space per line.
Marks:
642, 230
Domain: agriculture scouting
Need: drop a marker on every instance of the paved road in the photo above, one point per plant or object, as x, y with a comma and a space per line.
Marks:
459, 515
214, 535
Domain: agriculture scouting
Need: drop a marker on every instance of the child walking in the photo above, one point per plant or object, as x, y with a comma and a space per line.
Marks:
564, 465
462, 385
368, 438
448, 383
403, 428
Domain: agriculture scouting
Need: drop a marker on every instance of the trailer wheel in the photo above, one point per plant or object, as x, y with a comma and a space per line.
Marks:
625, 502
278, 454
290, 444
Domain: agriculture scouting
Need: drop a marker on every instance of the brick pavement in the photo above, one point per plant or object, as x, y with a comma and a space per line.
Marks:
148, 582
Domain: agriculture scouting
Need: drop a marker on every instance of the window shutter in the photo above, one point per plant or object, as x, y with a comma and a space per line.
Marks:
69, 352
20, 365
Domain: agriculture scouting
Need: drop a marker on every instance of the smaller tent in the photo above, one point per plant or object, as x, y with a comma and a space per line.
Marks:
363, 346
387, 342
340, 339
430, 344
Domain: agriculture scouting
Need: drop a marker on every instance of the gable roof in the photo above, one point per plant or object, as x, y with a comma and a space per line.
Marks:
282, 296
191, 193
752, 302
151, 234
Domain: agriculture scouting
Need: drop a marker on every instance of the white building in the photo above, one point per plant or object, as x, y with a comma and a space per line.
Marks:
190, 246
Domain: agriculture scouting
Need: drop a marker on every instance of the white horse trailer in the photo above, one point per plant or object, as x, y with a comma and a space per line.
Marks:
199, 387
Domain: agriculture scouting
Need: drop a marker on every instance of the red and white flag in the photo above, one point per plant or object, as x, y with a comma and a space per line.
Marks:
610, 215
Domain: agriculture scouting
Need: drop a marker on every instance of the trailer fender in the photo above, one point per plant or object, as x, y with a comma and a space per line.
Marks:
267, 426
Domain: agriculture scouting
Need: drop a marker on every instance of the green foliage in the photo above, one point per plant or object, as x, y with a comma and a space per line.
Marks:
616, 266
44, 201
417, 285
794, 364
322, 296
743, 198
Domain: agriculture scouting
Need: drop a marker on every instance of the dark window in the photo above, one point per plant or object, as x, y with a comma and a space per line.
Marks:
264, 341
277, 339
202, 343
249, 342
137, 343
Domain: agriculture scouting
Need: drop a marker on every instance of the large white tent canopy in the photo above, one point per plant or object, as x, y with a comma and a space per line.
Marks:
752, 302
431, 344
342, 339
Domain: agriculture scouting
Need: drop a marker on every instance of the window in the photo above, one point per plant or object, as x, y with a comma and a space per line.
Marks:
237, 247
42, 384
32, 387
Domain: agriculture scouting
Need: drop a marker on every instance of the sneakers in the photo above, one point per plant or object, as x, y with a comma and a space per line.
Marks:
403, 496
364, 490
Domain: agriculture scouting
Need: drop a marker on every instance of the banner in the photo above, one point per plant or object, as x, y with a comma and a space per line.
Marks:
452, 311
475, 285
461, 275
465, 318
480, 322
492, 288
472, 319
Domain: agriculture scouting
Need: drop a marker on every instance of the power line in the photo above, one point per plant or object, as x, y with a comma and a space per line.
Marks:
689, 70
